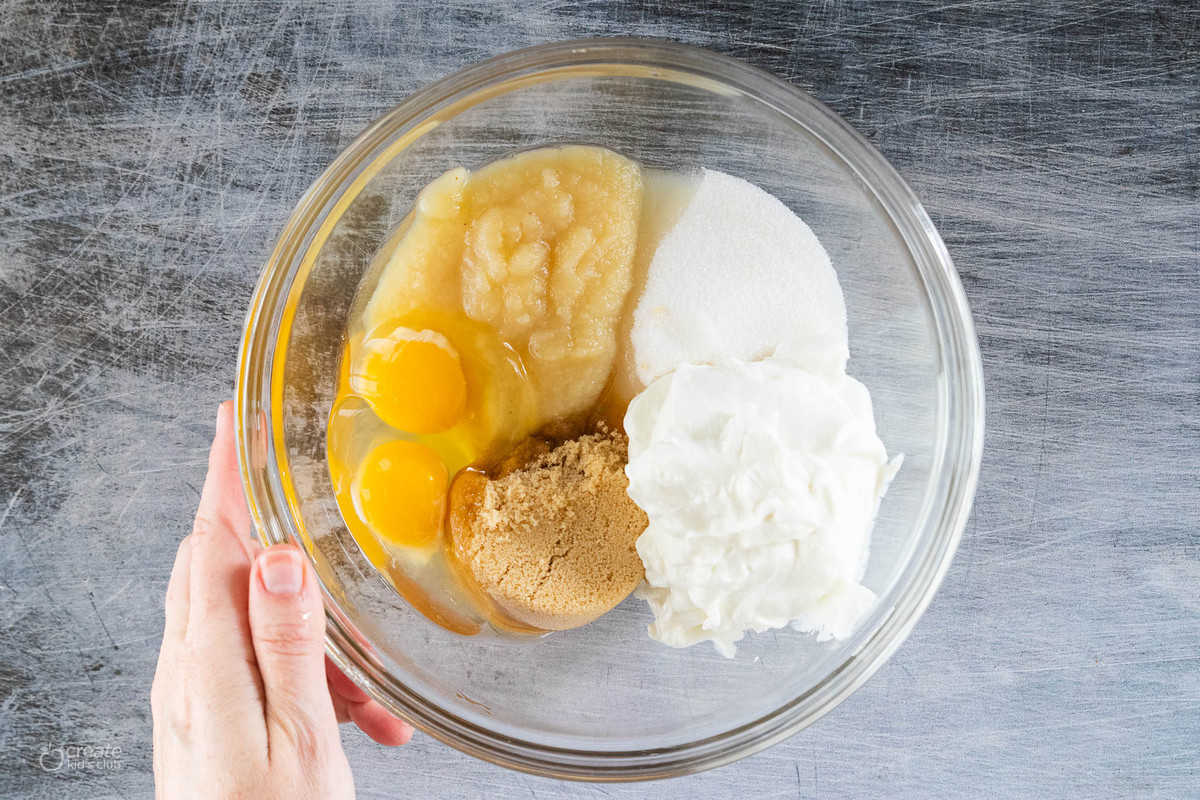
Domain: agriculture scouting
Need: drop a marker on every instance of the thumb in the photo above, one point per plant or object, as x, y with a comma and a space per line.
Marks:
287, 624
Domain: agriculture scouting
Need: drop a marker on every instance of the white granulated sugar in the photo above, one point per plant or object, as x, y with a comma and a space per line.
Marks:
738, 270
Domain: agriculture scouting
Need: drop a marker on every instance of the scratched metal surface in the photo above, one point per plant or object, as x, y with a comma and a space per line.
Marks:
148, 156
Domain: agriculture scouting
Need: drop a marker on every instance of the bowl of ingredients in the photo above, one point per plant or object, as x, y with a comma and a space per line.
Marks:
626, 401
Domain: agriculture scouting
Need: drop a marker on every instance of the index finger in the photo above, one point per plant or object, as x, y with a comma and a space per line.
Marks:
176, 602
218, 627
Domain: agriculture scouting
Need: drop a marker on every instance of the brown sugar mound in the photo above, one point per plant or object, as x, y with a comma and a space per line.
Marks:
550, 537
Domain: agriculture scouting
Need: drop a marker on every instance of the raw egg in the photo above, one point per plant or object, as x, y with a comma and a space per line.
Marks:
401, 493
446, 381
420, 398
412, 379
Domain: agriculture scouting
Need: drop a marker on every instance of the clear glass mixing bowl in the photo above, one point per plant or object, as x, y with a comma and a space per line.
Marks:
604, 702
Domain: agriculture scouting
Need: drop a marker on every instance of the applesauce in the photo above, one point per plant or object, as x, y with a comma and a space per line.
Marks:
538, 246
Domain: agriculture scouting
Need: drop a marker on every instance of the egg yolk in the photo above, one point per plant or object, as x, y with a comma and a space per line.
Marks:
413, 380
402, 493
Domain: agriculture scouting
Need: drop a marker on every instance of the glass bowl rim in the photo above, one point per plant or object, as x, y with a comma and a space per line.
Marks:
961, 402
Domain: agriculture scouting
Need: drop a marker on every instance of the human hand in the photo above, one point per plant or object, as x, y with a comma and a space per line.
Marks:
244, 702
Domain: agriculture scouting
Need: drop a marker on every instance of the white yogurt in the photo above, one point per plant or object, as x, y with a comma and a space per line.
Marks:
761, 481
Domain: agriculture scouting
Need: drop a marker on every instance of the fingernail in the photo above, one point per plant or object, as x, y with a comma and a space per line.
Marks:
281, 570
224, 414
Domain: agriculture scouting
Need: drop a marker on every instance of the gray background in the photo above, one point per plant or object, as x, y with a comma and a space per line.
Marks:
149, 155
